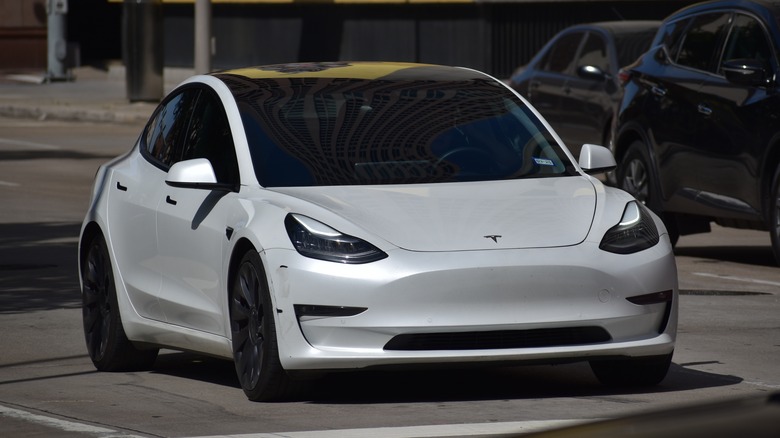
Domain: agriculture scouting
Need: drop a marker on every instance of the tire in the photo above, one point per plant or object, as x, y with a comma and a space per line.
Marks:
774, 215
637, 371
107, 344
255, 345
635, 175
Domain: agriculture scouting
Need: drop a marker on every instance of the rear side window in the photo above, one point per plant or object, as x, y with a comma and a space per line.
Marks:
631, 46
699, 46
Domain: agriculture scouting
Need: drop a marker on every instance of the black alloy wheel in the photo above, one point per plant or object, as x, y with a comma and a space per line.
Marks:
634, 174
255, 348
107, 344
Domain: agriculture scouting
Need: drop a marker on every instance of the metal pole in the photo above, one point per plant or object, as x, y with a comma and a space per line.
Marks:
202, 36
56, 40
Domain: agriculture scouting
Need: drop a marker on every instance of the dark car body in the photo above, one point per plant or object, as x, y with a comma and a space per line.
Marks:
698, 130
573, 79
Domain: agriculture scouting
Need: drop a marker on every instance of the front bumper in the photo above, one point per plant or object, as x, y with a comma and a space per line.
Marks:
467, 299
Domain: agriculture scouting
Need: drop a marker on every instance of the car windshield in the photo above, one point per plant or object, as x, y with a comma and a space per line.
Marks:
326, 131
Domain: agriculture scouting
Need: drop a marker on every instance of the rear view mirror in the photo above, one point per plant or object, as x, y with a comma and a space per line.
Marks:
744, 72
596, 159
195, 174
592, 72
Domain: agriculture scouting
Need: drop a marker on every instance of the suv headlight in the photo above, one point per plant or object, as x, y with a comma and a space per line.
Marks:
635, 232
316, 240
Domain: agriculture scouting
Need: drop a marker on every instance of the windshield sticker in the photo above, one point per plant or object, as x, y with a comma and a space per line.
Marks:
544, 162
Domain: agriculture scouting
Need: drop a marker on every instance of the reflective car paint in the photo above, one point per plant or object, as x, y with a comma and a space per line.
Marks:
506, 270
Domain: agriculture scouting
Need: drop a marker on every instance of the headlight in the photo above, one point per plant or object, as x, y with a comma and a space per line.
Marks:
635, 232
318, 241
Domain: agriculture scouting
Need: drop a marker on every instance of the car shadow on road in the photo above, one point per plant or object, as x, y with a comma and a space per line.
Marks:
747, 255
433, 385
38, 267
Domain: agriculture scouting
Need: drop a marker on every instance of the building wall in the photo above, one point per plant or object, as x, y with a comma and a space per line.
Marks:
22, 34
495, 37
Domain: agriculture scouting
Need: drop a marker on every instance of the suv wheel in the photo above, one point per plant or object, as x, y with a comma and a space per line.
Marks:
635, 175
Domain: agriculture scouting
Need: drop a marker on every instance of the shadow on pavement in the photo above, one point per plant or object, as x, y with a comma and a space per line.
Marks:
375, 387
38, 267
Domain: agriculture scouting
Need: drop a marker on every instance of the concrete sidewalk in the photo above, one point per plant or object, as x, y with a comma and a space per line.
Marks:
94, 95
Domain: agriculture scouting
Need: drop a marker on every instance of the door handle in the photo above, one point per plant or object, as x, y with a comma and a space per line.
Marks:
704, 109
658, 91
119, 186
170, 200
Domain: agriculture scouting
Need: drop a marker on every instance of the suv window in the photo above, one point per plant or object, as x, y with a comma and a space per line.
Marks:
699, 46
561, 55
747, 40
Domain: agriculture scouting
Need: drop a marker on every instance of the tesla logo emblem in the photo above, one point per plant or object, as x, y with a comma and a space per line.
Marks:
493, 237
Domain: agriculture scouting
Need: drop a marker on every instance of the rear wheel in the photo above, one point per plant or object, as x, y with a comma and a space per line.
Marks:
107, 344
634, 371
774, 215
255, 347
635, 176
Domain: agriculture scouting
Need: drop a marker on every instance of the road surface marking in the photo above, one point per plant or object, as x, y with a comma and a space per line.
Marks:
61, 425
445, 430
29, 144
742, 279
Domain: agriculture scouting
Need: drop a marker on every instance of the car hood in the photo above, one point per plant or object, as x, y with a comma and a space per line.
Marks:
531, 213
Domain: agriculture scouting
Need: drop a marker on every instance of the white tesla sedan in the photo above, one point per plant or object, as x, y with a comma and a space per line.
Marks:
314, 217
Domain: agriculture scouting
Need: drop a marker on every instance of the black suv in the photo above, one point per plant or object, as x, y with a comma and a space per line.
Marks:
697, 133
573, 80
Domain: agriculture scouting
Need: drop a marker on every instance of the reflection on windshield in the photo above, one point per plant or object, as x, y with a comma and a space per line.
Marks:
324, 131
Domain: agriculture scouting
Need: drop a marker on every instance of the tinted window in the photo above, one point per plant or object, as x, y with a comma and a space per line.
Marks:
594, 53
347, 132
163, 132
671, 36
209, 137
699, 47
747, 40
561, 55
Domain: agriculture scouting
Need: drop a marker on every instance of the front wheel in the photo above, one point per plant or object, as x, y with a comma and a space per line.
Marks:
107, 344
255, 347
634, 371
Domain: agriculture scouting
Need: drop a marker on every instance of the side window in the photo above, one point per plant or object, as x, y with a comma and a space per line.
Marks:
163, 132
594, 53
700, 43
209, 137
671, 36
561, 55
747, 40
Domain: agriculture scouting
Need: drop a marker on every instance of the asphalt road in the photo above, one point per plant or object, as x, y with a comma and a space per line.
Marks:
728, 346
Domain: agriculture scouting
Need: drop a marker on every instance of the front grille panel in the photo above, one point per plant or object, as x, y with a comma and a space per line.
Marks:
499, 339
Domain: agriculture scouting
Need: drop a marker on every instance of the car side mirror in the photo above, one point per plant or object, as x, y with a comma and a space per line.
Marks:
592, 72
744, 72
195, 174
596, 159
